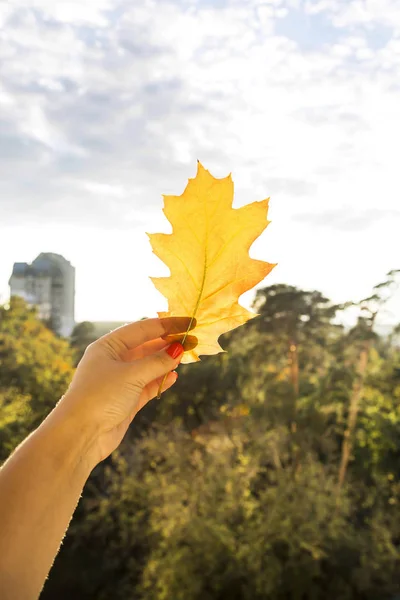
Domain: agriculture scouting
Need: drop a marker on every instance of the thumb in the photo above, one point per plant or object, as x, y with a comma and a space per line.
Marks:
156, 365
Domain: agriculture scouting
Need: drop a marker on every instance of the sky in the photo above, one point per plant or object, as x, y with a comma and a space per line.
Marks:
106, 105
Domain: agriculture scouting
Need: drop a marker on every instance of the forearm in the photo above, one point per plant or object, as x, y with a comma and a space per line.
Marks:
40, 486
41, 483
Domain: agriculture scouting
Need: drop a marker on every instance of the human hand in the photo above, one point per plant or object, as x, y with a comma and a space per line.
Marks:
119, 374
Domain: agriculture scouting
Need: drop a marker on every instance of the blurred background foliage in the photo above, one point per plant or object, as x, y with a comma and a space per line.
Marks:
268, 472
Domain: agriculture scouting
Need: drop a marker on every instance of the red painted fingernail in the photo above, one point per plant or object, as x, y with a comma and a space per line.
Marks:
175, 350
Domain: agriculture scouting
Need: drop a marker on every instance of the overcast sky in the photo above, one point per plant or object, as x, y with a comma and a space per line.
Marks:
106, 104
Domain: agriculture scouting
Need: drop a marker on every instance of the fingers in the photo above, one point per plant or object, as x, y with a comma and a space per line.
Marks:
133, 335
151, 389
145, 349
158, 344
151, 367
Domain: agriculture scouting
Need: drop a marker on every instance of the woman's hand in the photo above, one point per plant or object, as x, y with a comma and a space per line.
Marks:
118, 375
40, 484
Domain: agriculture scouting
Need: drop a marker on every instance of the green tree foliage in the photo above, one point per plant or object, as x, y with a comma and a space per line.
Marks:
241, 525
221, 515
227, 488
35, 369
299, 324
82, 335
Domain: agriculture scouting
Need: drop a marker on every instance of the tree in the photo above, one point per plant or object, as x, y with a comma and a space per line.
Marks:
82, 335
223, 517
207, 499
362, 336
299, 327
35, 366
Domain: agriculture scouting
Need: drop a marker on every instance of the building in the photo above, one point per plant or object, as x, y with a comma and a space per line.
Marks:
49, 284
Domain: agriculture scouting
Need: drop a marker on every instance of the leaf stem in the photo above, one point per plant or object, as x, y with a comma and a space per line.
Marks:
196, 308
161, 386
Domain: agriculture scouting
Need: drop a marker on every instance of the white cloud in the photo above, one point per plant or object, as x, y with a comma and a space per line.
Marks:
74, 12
368, 13
104, 188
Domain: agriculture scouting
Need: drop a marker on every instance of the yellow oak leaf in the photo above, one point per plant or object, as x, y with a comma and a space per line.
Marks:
208, 257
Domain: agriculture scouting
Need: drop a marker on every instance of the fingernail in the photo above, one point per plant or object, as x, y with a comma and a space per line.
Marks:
175, 350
